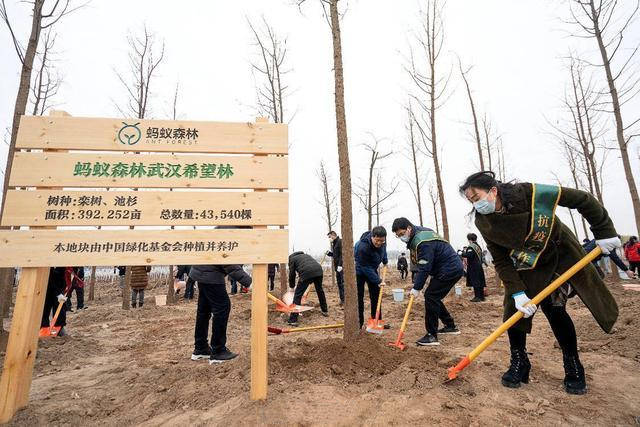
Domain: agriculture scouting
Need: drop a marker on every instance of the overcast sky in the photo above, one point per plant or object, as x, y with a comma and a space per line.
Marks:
518, 79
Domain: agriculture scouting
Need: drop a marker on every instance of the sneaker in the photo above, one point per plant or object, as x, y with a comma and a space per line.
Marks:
387, 326
244, 290
428, 340
222, 356
201, 354
325, 313
451, 330
476, 299
63, 332
293, 323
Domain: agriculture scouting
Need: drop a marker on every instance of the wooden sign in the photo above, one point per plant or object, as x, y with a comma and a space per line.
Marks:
93, 208
49, 248
83, 133
147, 171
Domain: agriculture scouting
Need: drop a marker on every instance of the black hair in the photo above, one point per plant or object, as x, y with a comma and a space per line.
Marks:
472, 236
484, 180
332, 233
378, 231
401, 223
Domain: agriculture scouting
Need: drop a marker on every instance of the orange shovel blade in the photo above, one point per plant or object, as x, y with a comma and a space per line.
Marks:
49, 331
375, 326
398, 343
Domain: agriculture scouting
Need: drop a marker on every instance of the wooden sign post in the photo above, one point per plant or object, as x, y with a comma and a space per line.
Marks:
220, 174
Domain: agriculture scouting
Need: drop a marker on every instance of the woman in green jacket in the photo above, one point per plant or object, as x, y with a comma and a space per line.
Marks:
530, 246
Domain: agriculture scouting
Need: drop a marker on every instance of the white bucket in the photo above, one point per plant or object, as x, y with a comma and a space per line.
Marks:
398, 295
161, 300
458, 289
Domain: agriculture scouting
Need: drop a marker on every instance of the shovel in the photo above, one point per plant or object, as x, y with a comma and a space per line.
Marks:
278, 331
374, 325
291, 308
455, 370
398, 342
52, 331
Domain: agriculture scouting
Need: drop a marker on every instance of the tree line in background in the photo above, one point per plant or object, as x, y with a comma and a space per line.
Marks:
591, 111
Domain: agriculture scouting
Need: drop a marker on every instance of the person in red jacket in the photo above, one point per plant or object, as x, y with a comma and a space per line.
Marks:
632, 253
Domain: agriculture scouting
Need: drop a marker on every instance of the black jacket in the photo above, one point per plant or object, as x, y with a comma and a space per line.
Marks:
271, 270
122, 270
475, 272
436, 259
182, 270
402, 263
215, 274
306, 267
368, 258
336, 252
613, 256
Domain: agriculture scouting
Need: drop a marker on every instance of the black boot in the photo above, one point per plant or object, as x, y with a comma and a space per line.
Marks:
518, 371
574, 381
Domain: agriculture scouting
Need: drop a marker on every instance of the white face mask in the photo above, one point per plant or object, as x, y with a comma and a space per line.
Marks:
485, 206
406, 236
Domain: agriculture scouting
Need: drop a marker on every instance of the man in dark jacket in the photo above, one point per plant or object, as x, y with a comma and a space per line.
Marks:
336, 254
434, 257
77, 284
309, 271
403, 266
369, 252
271, 274
189, 286
213, 300
475, 271
58, 286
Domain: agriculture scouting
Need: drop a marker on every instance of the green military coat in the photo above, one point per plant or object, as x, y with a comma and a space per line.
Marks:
506, 231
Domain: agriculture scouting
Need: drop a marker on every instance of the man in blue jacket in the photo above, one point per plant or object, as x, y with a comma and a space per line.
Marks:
369, 252
434, 257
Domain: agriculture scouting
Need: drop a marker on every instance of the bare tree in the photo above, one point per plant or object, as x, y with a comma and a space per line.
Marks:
464, 73
431, 90
416, 183
433, 194
269, 70
366, 191
594, 19
47, 81
43, 18
144, 60
329, 203
351, 323
502, 176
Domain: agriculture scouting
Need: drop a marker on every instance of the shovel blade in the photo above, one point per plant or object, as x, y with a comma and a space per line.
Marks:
398, 344
49, 331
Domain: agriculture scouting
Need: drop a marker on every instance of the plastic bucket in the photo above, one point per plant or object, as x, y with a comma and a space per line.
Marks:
398, 295
458, 290
161, 300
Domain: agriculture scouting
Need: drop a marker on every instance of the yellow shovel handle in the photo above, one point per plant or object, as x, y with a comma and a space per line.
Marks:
57, 313
536, 300
384, 275
406, 315
274, 299
311, 328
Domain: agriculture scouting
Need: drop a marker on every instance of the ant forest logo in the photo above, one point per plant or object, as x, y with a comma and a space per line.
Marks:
129, 134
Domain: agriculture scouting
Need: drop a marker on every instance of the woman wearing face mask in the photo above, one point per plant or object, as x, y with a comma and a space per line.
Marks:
530, 246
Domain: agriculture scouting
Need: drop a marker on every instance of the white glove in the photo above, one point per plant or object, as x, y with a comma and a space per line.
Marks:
61, 299
522, 305
415, 293
339, 268
608, 245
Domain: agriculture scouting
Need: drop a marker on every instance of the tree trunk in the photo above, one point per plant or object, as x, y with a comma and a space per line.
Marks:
573, 222
624, 154
475, 122
284, 279
6, 286
417, 177
351, 323
7, 277
370, 191
171, 296
92, 284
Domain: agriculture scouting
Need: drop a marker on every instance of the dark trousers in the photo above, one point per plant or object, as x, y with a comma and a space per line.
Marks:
634, 266
50, 307
272, 282
478, 292
214, 304
403, 273
374, 292
234, 286
340, 283
139, 293
189, 288
433, 305
79, 298
561, 325
301, 289
413, 275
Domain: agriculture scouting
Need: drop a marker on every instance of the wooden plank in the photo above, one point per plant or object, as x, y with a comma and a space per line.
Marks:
147, 171
40, 248
111, 134
259, 353
165, 208
23, 342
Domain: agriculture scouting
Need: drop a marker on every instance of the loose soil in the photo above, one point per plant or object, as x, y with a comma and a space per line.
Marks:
133, 367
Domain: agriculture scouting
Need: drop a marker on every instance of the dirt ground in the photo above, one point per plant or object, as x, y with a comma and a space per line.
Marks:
132, 367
